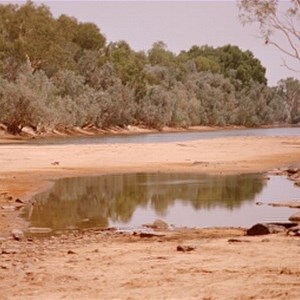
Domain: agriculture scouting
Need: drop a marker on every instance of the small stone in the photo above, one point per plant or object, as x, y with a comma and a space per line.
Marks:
71, 252
17, 234
8, 251
4, 267
185, 248
19, 201
292, 171
150, 235
234, 241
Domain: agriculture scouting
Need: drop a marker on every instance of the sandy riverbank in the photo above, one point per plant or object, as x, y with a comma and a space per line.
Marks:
108, 266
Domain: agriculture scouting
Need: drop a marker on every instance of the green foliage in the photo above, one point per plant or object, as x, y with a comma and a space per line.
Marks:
59, 73
289, 90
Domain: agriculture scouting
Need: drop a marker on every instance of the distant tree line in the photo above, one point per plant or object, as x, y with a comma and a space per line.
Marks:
61, 73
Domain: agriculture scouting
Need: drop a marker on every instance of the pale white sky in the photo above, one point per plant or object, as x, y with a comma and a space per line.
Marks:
180, 24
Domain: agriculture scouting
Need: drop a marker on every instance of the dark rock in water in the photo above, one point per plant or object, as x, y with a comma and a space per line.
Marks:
266, 228
17, 234
295, 217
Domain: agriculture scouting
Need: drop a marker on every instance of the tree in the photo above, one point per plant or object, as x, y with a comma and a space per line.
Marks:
88, 36
258, 105
127, 63
23, 102
160, 55
289, 90
156, 108
240, 66
276, 22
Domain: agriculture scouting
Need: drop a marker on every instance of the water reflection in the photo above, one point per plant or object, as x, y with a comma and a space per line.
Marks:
113, 199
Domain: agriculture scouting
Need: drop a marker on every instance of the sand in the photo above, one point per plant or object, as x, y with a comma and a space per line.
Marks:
108, 265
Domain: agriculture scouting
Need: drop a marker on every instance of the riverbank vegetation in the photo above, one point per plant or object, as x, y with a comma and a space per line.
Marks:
58, 73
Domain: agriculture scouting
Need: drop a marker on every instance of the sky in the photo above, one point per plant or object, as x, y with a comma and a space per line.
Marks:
179, 24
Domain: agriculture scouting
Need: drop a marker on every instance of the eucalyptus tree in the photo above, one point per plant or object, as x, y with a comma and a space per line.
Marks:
259, 105
278, 23
216, 96
127, 63
156, 108
24, 102
29, 31
160, 55
289, 90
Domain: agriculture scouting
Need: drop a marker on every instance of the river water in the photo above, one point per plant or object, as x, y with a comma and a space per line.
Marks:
193, 200
167, 137
131, 200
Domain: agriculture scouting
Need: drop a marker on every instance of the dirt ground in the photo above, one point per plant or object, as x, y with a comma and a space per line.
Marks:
223, 263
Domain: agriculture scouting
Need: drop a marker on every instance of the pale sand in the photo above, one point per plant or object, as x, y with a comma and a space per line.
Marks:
111, 267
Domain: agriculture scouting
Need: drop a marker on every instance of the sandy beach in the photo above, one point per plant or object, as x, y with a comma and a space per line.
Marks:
223, 262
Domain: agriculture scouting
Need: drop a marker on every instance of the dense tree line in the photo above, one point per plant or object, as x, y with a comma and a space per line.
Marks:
61, 73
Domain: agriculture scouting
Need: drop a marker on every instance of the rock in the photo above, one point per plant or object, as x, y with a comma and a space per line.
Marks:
19, 201
71, 252
183, 248
9, 251
4, 267
158, 225
266, 228
237, 241
297, 183
17, 234
294, 231
6, 196
292, 171
295, 217
149, 235
55, 163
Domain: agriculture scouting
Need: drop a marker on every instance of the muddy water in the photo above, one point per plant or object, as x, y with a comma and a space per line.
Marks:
130, 200
167, 137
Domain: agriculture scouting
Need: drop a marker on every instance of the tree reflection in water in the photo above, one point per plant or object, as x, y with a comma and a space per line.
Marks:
97, 201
